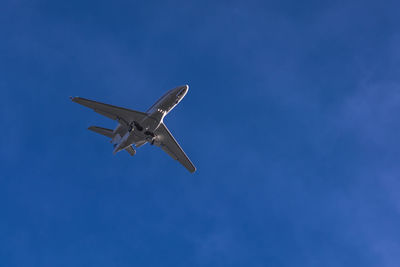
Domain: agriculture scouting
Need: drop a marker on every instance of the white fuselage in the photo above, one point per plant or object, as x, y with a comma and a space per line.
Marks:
140, 132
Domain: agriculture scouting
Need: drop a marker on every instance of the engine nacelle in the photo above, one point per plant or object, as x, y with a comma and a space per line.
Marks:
120, 128
123, 143
116, 139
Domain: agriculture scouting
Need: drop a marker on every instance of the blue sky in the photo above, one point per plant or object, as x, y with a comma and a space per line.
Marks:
291, 119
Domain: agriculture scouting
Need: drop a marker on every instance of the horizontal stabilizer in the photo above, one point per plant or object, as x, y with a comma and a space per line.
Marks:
102, 131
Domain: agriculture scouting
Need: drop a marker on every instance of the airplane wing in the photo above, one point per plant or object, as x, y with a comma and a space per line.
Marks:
110, 111
168, 143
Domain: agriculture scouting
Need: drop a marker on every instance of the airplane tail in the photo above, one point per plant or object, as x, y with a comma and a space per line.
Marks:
110, 133
102, 131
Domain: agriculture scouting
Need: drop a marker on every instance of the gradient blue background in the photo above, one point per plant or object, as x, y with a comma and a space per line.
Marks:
292, 119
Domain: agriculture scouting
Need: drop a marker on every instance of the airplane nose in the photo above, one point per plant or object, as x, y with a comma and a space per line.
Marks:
185, 89
182, 90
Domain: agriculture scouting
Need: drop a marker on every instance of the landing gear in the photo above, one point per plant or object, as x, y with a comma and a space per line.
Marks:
138, 126
151, 137
149, 133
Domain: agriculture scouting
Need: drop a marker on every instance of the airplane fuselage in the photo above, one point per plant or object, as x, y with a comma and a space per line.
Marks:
136, 128
140, 132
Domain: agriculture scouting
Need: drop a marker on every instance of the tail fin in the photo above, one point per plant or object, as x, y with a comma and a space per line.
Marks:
102, 131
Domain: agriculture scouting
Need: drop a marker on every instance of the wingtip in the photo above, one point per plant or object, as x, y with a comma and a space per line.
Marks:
73, 98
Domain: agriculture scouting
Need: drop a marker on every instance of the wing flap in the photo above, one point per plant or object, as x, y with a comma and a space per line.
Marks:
168, 143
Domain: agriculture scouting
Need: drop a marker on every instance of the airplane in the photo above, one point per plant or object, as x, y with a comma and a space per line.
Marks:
138, 128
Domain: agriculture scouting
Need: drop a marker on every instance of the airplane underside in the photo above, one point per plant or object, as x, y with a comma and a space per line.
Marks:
123, 139
136, 128
119, 143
